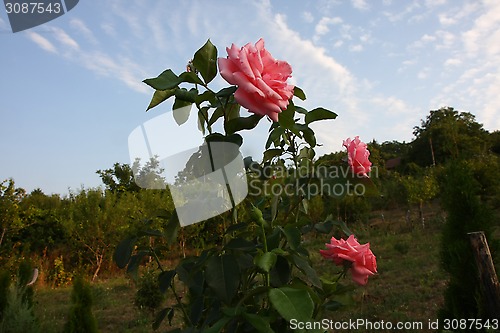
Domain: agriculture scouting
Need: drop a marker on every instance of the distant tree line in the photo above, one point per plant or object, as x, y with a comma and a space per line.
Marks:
79, 231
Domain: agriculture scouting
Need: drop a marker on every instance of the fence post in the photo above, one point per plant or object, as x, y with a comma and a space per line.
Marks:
490, 288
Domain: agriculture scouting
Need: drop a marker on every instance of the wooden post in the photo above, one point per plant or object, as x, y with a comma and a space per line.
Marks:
490, 288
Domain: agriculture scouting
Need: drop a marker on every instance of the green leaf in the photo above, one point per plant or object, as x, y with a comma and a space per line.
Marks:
123, 251
300, 109
286, 117
332, 305
189, 273
299, 93
165, 81
309, 136
281, 272
345, 229
190, 77
165, 280
205, 61
305, 268
160, 317
274, 136
240, 244
219, 112
319, 114
206, 96
242, 123
274, 206
217, 137
266, 261
135, 261
270, 153
260, 323
292, 303
223, 276
218, 326
160, 96
293, 236
172, 228
226, 92
181, 111
186, 95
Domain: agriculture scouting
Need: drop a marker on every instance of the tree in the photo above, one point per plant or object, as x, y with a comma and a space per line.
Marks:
119, 178
125, 178
466, 213
10, 197
420, 190
447, 134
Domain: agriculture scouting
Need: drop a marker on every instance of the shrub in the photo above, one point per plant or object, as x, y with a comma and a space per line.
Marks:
466, 213
81, 318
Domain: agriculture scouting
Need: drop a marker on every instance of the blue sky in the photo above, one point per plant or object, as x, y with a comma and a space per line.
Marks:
71, 90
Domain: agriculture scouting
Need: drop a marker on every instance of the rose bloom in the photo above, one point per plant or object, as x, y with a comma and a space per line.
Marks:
261, 79
357, 156
360, 257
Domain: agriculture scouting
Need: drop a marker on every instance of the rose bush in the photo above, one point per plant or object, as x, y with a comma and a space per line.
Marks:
261, 79
259, 276
357, 156
349, 253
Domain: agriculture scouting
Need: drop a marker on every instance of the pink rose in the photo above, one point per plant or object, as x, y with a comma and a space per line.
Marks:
261, 79
357, 156
362, 260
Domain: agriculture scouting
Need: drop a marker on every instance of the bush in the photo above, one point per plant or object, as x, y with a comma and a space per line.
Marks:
466, 213
81, 319
148, 295
16, 303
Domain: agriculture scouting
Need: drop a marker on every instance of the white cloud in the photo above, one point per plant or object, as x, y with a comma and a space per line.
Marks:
423, 41
446, 38
423, 74
323, 25
458, 15
485, 30
356, 48
82, 28
393, 105
338, 44
452, 62
3, 25
65, 39
308, 17
41, 42
108, 29
360, 4
434, 3
398, 16
123, 69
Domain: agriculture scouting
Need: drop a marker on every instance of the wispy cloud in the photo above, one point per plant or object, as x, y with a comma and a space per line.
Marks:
65, 39
41, 42
82, 29
3, 25
477, 65
457, 15
360, 4
308, 17
323, 26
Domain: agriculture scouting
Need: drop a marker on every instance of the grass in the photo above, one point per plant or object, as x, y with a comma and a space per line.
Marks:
113, 307
408, 287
